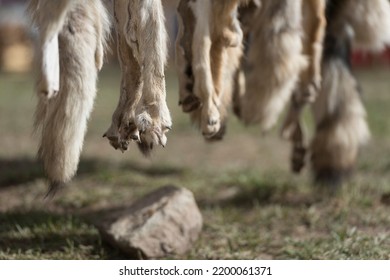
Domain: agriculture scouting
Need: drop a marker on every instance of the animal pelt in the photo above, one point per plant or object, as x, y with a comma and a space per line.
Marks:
341, 125
208, 50
61, 119
142, 114
274, 61
228, 70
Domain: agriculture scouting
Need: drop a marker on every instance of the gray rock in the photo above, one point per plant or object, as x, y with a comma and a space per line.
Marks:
165, 222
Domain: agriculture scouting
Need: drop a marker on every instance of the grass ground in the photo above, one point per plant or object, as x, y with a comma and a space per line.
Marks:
252, 206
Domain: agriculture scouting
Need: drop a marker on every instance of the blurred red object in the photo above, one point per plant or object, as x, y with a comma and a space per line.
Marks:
367, 59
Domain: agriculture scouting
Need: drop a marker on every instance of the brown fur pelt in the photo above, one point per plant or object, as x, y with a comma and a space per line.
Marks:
61, 118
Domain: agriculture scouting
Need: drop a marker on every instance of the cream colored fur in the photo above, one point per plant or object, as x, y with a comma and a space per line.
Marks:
142, 114
61, 120
274, 61
370, 21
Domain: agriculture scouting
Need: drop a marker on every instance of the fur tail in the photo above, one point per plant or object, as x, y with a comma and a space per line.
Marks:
62, 120
341, 124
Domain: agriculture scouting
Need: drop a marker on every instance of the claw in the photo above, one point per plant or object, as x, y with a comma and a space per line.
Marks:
162, 140
135, 136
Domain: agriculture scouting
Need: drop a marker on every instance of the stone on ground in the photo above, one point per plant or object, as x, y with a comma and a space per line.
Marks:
165, 222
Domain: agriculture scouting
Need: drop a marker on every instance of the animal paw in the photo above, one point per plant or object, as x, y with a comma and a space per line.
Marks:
120, 136
210, 121
152, 132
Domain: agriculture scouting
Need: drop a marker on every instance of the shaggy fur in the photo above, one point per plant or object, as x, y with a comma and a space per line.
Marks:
341, 125
62, 119
208, 50
370, 21
274, 61
142, 114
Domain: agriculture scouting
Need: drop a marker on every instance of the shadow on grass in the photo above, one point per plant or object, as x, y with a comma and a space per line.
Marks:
263, 194
20, 171
40, 234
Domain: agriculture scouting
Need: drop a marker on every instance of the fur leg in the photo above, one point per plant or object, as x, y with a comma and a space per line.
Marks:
314, 24
186, 21
62, 120
123, 128
142, 113
216, 30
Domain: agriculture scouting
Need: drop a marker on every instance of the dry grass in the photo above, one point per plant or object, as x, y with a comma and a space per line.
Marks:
252, 206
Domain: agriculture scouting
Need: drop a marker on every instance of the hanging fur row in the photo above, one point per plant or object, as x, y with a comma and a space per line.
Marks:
294, 51
253, 55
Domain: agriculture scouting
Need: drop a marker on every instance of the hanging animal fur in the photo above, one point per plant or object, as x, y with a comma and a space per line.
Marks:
81, 28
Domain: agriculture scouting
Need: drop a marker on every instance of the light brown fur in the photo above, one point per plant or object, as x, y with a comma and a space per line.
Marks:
215, 30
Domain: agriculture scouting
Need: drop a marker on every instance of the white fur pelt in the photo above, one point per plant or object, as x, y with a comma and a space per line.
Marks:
274, 61
370, 21
61, 120
142, 114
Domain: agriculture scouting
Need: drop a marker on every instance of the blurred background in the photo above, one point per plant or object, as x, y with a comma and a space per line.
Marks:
253, 207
